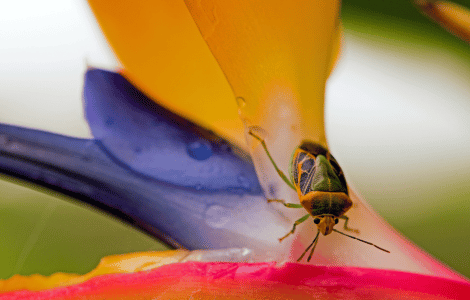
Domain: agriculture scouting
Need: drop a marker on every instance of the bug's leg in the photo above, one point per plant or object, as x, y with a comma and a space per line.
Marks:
346, 219
305, 252
295, 225
281, 174
290, 205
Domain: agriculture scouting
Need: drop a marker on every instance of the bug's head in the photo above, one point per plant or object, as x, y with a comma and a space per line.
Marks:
325, 223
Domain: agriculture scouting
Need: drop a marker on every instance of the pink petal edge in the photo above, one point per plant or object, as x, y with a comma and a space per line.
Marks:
334, 281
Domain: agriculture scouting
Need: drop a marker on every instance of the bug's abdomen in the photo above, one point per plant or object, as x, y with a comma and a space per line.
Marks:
320, 203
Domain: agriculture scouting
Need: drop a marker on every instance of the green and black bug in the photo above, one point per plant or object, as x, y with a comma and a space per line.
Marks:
320, 184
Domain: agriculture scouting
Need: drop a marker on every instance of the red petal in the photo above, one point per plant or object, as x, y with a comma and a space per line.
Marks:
197, 280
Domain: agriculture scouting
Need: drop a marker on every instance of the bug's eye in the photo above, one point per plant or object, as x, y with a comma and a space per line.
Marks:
316, 221
336, 221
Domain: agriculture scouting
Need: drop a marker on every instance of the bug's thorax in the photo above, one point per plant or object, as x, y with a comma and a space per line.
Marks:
326, 223
326, 203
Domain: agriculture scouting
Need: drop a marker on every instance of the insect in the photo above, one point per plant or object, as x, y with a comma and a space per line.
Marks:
320, 184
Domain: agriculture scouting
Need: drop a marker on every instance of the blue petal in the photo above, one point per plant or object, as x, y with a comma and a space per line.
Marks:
150, 140
151, 168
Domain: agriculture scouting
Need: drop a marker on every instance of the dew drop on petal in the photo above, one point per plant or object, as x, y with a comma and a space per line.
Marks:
240, 102
217, 216
199, 150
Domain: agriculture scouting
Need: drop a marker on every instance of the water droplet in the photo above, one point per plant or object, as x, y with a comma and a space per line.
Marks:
109, 121
198, 187
240, 102
217, 216
243, 181
200, 150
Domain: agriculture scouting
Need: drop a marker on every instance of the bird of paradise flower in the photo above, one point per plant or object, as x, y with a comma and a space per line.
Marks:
284, 92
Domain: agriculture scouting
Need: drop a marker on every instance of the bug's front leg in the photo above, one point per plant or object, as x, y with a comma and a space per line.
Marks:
346, 219
281, 174
290, 205
295, 225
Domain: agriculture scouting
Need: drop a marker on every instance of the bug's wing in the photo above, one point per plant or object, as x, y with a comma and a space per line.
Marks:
339, 172
303, 168
314, 149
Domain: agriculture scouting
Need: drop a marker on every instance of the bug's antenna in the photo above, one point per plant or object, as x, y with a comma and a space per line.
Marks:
313, 249
361, 240
305, 252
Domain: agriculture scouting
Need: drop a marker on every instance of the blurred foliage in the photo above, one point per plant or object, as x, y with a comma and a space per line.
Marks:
399, 21
45, 232
404, 10
442, 231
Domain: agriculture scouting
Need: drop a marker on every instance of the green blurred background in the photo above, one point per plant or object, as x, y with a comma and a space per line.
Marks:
411, 160
429, 201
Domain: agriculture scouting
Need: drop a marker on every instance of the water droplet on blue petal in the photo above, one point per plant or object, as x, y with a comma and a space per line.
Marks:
200, 150
217, 216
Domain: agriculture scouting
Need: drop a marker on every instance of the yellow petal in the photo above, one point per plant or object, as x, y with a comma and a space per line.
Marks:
453, 17
276, 56
164, 55
125, 263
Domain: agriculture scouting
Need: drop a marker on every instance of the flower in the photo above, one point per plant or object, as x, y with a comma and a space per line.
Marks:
259, 91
